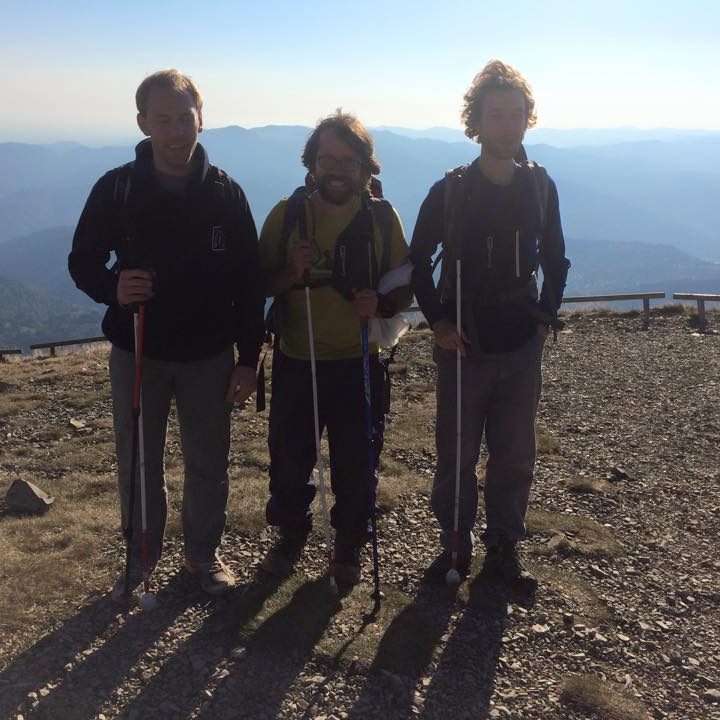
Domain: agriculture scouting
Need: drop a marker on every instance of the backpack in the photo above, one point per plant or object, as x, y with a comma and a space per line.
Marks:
129, 205
375, 210
456, 193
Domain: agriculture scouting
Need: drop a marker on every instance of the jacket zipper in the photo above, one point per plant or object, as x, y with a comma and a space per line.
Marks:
489, 244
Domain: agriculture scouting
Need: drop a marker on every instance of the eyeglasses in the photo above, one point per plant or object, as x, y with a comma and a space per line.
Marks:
347, 164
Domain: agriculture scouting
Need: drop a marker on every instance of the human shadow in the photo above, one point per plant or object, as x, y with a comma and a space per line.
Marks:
274, 655
404, 654
83, 661
467, 667
177, 687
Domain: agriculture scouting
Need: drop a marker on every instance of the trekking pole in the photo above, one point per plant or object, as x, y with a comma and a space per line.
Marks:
318, 451
367, 387
147, 599
453, 576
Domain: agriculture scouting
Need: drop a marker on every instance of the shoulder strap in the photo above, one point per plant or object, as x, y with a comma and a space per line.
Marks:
294, 215
541, 187
384, 216
123, 183
455, 193
126, 204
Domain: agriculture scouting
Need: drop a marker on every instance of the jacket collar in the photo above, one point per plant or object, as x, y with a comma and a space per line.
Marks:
144, 157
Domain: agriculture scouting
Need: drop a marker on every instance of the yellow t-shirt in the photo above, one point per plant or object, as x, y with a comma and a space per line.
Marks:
336, 325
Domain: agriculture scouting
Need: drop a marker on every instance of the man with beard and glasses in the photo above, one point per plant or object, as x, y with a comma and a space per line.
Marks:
499, 218
335, 239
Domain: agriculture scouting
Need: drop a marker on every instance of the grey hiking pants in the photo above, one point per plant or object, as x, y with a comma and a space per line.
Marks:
199, 389
500, 395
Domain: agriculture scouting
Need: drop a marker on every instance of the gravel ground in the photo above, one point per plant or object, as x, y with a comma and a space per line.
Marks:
633, 414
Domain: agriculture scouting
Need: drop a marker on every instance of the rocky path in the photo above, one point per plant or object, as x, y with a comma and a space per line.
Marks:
623, 535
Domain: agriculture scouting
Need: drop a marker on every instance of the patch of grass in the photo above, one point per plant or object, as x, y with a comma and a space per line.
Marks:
588, 485
547, 443
586, 602
670, 310
19, 402
587, 537
591, 693
248, 495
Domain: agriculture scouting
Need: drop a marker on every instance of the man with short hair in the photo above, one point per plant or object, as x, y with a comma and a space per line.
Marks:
336, 239
186, 248
500, 218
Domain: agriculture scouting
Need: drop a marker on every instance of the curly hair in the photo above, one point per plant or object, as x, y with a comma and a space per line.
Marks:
351, 131
496, 75
173, 79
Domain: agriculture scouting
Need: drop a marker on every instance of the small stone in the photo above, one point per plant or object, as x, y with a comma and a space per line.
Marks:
22, 496
540, 629
711, 696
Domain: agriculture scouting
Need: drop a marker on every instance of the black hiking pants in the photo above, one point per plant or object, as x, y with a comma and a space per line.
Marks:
291, 442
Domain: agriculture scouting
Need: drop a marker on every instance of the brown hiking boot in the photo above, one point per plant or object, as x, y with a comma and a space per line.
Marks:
213, 576
282, 556
503, 563
346, 563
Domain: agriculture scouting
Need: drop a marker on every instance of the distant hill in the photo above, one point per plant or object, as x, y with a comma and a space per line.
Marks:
642, 213
636, 267
39, 260
566, 137
642, 191
28, 316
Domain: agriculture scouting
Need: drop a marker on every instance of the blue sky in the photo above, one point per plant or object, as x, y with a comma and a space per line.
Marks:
70, 69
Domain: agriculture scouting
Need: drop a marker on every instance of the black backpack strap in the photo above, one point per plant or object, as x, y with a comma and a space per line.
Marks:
384, 216
293, 216
127, 201
455, 194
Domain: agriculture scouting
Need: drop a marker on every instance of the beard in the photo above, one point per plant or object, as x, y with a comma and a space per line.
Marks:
338, 195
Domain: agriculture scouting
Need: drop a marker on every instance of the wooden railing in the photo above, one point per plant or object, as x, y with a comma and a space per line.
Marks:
9, 351
64, 343
701, 299
646, 297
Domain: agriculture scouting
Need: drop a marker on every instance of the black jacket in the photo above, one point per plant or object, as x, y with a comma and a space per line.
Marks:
201, 245
495, 261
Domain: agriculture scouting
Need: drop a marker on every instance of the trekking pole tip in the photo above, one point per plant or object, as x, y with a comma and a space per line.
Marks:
452, 577
148, 601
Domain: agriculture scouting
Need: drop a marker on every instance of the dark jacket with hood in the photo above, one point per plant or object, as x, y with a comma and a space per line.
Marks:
200, 243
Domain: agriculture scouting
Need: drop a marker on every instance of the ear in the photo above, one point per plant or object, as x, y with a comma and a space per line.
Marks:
200, 121
143, 124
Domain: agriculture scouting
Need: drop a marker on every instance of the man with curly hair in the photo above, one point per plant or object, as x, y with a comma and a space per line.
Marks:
500, 219
335, 239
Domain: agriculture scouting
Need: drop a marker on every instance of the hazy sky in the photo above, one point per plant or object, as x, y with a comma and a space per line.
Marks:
70, 68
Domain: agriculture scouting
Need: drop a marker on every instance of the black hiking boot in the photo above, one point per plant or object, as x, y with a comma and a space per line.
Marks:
503, 564
436, 572
346, 562
282, 556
